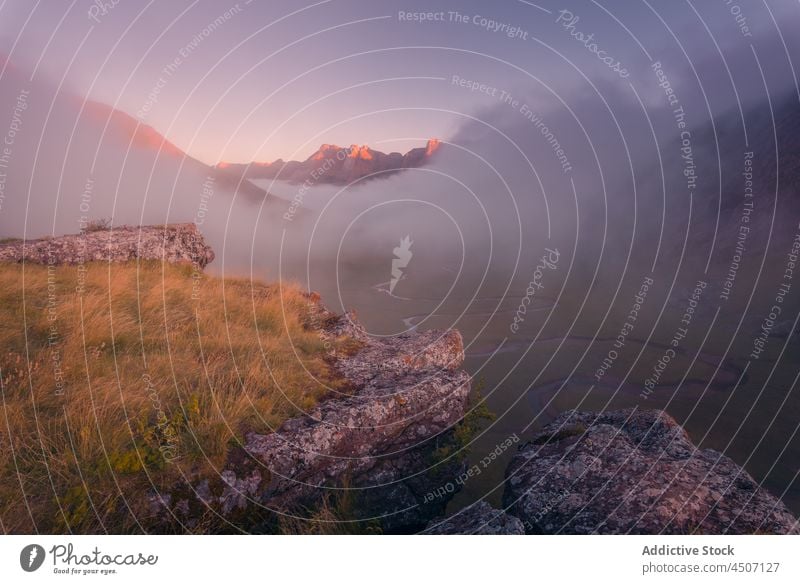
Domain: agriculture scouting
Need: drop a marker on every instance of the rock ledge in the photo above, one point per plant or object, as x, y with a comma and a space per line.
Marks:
377, 444
177, 243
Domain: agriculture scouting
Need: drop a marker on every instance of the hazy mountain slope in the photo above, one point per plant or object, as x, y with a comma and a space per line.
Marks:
71, 160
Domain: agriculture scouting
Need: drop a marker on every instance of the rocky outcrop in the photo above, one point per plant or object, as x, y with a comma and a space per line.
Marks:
478, 519
378, 442
179, 243
634, 471
409, 390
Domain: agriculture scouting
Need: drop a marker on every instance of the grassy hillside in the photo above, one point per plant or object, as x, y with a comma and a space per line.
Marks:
125, 376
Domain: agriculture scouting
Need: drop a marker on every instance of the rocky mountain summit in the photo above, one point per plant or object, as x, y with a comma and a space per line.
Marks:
177, 243
337, 165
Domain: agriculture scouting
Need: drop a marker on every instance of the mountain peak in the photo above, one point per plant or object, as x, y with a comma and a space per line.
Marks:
325, 151
362, 152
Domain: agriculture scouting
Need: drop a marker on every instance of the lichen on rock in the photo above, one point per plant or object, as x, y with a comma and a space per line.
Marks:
177, 243
634, 471
376, 442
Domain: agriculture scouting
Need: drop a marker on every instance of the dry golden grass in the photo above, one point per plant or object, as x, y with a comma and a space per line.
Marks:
148, 373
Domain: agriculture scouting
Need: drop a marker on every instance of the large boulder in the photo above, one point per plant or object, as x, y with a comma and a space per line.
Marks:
178, 243
634, 471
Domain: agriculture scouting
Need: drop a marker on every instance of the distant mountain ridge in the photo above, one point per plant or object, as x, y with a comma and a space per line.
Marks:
333, 164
